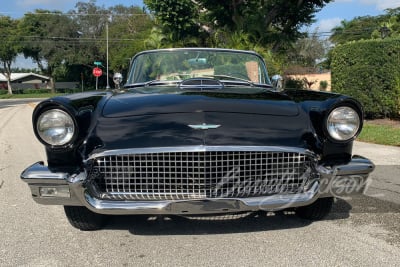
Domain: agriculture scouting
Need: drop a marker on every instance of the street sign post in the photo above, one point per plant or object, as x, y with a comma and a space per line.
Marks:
97, 72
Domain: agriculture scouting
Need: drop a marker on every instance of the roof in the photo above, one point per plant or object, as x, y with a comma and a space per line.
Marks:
18, 76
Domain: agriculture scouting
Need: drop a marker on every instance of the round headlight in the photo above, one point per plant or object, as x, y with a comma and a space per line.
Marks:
343, 123
55, 127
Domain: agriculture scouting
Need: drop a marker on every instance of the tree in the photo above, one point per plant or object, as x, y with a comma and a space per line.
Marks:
155, 40
276, 22
9, 47
47, 38
368, 27
359, 28
91, 21
128, 30
389, 28
306, 51
179, 18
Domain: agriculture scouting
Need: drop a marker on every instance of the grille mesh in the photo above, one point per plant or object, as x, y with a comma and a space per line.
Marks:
198, 175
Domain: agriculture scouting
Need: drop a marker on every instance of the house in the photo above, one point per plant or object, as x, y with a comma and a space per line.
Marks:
25, 81
314, 79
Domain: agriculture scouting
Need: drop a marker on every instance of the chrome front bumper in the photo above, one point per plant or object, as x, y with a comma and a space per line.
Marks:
58, 188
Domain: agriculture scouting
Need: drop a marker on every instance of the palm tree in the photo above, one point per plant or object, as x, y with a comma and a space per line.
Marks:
156, 39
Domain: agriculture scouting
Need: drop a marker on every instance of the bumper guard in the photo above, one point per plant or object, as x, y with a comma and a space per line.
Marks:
59, 188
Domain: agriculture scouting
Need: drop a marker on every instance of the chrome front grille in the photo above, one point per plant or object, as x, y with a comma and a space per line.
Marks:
199, 175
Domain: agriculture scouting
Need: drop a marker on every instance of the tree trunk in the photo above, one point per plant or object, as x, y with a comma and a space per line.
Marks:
236, 17
9, 86
52, 85
7, 73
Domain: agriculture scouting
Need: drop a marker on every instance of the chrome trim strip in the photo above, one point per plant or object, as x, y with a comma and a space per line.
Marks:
38, 172
203, 206
39, 175
198, 49
201, 148
283, 199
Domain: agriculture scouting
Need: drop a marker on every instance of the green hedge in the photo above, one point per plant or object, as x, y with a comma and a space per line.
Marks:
36, 91
41, 91
69, 91
369, 70
292, 83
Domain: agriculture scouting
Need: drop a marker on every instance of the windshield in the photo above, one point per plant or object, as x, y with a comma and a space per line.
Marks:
182, 64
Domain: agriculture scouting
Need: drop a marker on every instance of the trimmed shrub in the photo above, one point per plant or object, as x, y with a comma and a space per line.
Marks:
291, 83
68, 91
323, 85
369, 71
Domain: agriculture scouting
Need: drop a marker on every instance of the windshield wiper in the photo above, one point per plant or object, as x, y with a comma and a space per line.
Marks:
238, 80
152, 82
158, 82
233, 78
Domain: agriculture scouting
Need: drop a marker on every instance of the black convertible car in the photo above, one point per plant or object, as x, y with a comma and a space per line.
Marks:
196, 132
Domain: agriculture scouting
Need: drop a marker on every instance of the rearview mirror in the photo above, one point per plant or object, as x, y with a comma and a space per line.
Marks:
197, 62
277, 82
117, 79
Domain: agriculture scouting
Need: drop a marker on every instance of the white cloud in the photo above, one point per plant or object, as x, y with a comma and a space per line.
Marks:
44, 4
382, 4
379, 4
326, 25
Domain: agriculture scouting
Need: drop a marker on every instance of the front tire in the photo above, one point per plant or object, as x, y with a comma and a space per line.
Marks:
317, 210
84, 219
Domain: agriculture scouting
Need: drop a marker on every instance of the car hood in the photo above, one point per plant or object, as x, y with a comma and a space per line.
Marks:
262, 119
255, 102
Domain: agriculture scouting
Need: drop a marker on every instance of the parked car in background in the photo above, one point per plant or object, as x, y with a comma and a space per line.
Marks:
196, 131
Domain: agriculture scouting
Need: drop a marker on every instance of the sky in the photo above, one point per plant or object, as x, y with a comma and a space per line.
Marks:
330, 16
333, 13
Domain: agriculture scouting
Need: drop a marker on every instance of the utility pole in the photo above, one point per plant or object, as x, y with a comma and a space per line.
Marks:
108, 84
82, 80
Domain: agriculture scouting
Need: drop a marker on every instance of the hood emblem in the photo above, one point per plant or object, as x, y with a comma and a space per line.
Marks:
204, 126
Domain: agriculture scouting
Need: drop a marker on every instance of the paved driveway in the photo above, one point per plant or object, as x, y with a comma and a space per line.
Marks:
385, 180
361, 231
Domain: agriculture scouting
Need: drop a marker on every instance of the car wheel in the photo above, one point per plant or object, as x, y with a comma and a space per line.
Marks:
317, 210
84, 219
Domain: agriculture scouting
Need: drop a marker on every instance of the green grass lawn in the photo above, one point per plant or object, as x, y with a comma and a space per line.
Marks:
380, 134
15, 96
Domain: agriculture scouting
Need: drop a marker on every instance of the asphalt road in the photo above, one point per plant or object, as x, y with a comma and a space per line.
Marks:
5, 103
362, 231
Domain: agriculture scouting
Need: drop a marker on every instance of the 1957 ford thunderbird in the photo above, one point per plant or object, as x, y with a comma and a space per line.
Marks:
196, 131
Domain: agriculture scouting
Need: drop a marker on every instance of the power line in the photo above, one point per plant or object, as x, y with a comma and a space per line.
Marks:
76, 14
344, 31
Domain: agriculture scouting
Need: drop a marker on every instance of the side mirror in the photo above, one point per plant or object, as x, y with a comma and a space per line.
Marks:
117, 78
277, 82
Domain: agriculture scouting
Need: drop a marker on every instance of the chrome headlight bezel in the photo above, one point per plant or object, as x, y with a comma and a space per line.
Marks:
343, 123
55, 127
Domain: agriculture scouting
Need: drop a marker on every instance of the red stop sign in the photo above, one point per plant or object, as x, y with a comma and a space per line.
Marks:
97, 72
